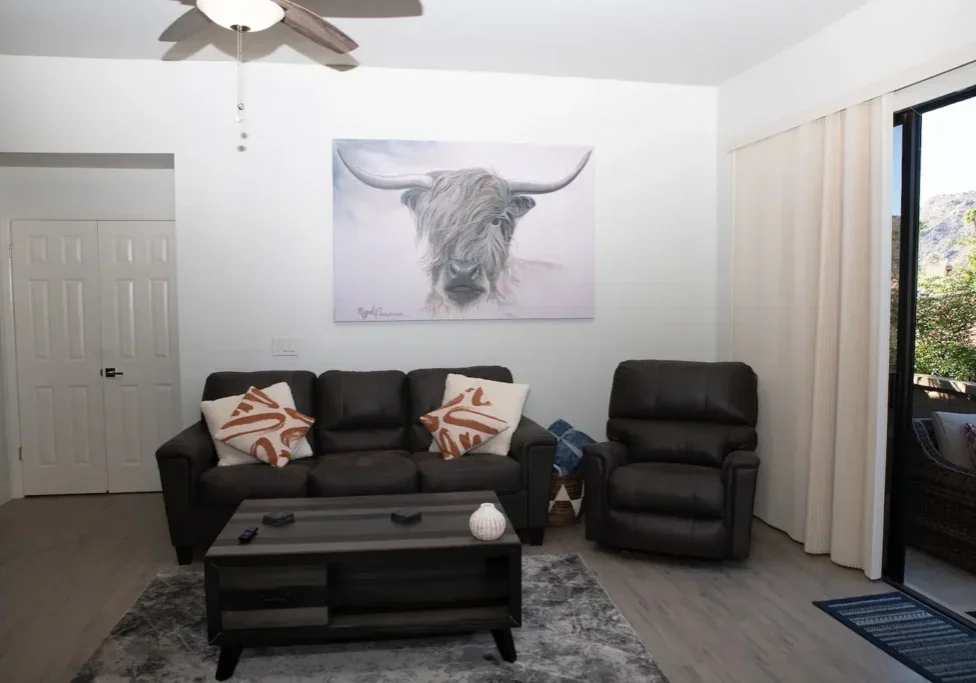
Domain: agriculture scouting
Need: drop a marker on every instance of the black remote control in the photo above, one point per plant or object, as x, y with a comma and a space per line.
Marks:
248, 535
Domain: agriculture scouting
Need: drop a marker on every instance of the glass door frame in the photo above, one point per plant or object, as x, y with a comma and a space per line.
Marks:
902, 378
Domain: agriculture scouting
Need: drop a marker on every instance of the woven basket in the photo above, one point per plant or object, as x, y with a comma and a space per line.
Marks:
561, 512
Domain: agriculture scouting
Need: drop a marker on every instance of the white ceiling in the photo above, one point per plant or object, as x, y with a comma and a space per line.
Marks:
666, 41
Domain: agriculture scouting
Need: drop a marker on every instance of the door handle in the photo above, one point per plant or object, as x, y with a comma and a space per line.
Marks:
110, 372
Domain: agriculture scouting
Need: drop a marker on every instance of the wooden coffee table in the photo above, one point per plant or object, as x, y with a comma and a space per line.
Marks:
344, 570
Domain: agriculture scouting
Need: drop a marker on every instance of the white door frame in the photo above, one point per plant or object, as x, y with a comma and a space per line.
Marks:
11, 388
9, 379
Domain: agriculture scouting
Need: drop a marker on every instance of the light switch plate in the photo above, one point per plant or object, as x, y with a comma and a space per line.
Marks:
284, 346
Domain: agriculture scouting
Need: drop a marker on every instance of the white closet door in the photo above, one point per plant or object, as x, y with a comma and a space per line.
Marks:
58, 336
139, 341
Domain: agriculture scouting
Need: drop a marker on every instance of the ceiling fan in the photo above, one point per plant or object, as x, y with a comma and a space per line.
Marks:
248, 16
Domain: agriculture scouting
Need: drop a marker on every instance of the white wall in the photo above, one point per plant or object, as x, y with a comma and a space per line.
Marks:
79, 190
85, 194
253, 228
883, 46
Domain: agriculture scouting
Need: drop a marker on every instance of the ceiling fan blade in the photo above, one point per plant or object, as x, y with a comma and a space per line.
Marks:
185, 27
315, 28
359, 9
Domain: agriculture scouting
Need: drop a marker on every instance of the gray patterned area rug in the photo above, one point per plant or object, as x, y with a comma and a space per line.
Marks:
571, 631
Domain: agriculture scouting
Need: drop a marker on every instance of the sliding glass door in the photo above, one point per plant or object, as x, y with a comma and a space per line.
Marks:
930, 543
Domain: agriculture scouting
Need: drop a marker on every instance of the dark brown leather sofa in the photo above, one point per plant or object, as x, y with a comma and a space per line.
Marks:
367, 440
678, 474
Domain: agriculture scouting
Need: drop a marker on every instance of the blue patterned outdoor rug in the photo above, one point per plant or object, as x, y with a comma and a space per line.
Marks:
919, 637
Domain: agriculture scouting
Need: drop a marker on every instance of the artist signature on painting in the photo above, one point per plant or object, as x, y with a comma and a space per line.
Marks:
377, 313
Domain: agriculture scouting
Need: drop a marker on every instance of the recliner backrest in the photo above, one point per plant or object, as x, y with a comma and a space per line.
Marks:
361, 411
683, 411
686, 391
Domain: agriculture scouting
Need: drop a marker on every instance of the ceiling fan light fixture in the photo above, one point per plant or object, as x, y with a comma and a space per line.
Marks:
242, 15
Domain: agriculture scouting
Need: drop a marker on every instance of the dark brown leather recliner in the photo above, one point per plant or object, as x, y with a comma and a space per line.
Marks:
678, 474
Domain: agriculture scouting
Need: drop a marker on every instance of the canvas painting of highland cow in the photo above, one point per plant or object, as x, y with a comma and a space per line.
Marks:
462, 231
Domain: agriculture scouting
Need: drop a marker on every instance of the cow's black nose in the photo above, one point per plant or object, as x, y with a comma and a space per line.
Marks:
462, 270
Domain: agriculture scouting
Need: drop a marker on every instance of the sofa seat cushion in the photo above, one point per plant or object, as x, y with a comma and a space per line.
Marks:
668, 488
363, 473
231, 485
471, 472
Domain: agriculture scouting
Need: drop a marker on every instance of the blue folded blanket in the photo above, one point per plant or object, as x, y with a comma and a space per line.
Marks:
569, 447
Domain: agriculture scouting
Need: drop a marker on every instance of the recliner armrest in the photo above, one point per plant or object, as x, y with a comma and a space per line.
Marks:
599, 462
746, 460
740, 470
605, 457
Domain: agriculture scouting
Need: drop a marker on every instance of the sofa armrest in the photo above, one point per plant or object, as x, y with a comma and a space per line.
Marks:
194, 444
740, 470
528, 438
534, 447
182, 461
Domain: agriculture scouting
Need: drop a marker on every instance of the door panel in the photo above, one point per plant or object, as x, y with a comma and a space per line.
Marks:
138, 285
58, 336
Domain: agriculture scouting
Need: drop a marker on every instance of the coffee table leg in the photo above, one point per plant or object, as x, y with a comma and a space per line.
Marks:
506, 646
229, 654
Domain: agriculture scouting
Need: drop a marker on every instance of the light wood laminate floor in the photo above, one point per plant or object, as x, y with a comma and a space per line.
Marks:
71, 566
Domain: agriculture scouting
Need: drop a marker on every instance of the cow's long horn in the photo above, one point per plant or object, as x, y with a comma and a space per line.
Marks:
542, 188
386, 182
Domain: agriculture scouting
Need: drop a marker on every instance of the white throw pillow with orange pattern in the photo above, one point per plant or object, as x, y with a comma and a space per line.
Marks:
218, 411
508, 400
265, 428
463, 423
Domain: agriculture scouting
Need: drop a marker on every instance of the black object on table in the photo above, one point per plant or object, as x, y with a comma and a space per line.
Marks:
406, 516
248, 535
278, 518
348, 572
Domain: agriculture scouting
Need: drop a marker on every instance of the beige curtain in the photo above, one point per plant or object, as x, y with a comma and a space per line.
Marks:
808, 246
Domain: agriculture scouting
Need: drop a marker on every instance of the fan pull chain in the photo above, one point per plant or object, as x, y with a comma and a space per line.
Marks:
239, 118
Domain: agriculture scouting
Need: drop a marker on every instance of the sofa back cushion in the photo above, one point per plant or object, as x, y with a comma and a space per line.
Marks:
426, 388
725, 393
361, 411
301, 383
